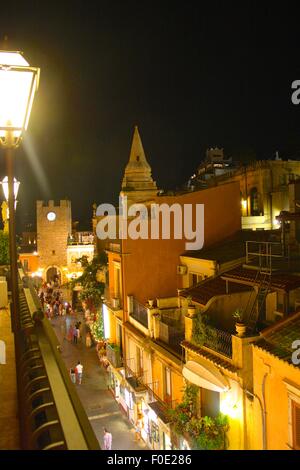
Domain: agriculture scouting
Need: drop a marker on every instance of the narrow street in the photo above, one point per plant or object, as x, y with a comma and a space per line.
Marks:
101, 407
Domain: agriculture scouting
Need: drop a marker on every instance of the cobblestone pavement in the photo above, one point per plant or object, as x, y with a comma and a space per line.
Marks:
100, 406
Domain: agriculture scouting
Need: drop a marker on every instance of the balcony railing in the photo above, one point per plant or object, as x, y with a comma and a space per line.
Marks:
140, 313
172, 335
135, 379
115, 247
113, 354
220, 341
167, 403
81, 238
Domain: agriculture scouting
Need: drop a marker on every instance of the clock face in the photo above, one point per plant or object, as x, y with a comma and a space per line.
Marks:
51, 216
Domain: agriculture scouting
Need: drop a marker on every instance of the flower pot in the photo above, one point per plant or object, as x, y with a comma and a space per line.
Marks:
240, 329
191, 311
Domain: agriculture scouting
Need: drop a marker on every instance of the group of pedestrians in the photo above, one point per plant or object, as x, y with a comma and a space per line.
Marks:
74, 333
52, 301
76, 373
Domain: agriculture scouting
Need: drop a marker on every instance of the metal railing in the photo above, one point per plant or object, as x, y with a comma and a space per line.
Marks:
220, 341
113, 355
115, 247
264, 254
140, 313
171, 335
81, 238
167, 403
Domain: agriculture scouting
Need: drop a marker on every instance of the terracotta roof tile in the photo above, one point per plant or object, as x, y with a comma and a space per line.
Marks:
204, 291
211, 357
279, 339
279, 281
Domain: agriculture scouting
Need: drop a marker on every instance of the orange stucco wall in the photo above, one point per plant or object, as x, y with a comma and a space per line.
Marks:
112, 257
150, 266
33, 261
276, 393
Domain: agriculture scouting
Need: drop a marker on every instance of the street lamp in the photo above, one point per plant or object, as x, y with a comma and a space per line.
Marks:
4, 183
18, 84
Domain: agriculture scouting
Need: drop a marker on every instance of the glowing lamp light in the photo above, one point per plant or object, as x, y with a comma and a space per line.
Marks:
244, 203
18, 84
4, 183
106, 322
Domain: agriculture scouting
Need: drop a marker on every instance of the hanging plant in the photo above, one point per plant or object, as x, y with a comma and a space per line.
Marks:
206, 433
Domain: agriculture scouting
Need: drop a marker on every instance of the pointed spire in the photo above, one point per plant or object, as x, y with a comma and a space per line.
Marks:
137, 153
137, 177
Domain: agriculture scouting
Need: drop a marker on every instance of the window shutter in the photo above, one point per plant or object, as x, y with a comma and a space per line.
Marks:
296, 426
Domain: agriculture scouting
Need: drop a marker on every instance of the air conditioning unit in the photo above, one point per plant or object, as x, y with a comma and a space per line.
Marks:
181, 269
115, 302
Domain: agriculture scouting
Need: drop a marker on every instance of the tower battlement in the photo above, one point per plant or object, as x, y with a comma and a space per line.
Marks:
52, 203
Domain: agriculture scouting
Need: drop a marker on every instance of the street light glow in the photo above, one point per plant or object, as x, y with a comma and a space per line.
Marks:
4, 183
18, 84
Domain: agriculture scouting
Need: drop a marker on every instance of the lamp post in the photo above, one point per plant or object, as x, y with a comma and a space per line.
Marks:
18, 84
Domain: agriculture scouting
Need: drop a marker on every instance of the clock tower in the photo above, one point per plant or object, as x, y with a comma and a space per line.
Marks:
54, 226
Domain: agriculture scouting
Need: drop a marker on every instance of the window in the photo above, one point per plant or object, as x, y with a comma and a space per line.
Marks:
167, 382
293, 395
117, 281
296, 425
139, 361
254, 202
208, 403
154, 432
195, 279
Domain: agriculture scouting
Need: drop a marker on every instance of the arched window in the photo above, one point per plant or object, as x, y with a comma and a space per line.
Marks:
254, 204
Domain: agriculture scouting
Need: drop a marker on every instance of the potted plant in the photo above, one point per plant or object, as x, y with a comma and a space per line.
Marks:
191, 308
239, 322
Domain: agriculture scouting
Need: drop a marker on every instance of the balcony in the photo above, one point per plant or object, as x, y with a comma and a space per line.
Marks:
114, 247
171, 335
134, 379
113, 354
140, 313
81, 238
219, 341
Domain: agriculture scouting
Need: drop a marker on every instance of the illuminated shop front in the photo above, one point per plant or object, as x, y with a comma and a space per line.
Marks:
115, 379
158, 427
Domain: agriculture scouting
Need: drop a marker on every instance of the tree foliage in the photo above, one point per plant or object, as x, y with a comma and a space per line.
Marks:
4, 248
206, 433
97, 328
92, 289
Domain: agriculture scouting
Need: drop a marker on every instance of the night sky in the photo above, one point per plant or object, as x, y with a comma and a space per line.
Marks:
189, 74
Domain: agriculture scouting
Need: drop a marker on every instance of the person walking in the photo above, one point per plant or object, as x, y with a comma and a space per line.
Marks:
75, 330
138, 428
107, 439
78, 370
73, 376
78, 332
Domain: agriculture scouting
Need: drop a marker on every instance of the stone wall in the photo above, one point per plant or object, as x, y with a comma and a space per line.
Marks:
52, 235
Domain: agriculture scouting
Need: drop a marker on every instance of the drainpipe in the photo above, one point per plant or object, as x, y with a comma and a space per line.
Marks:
262, 405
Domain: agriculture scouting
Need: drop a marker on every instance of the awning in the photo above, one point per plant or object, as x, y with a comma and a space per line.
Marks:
205, 375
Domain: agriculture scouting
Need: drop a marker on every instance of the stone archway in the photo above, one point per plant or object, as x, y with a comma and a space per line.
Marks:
53, 274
